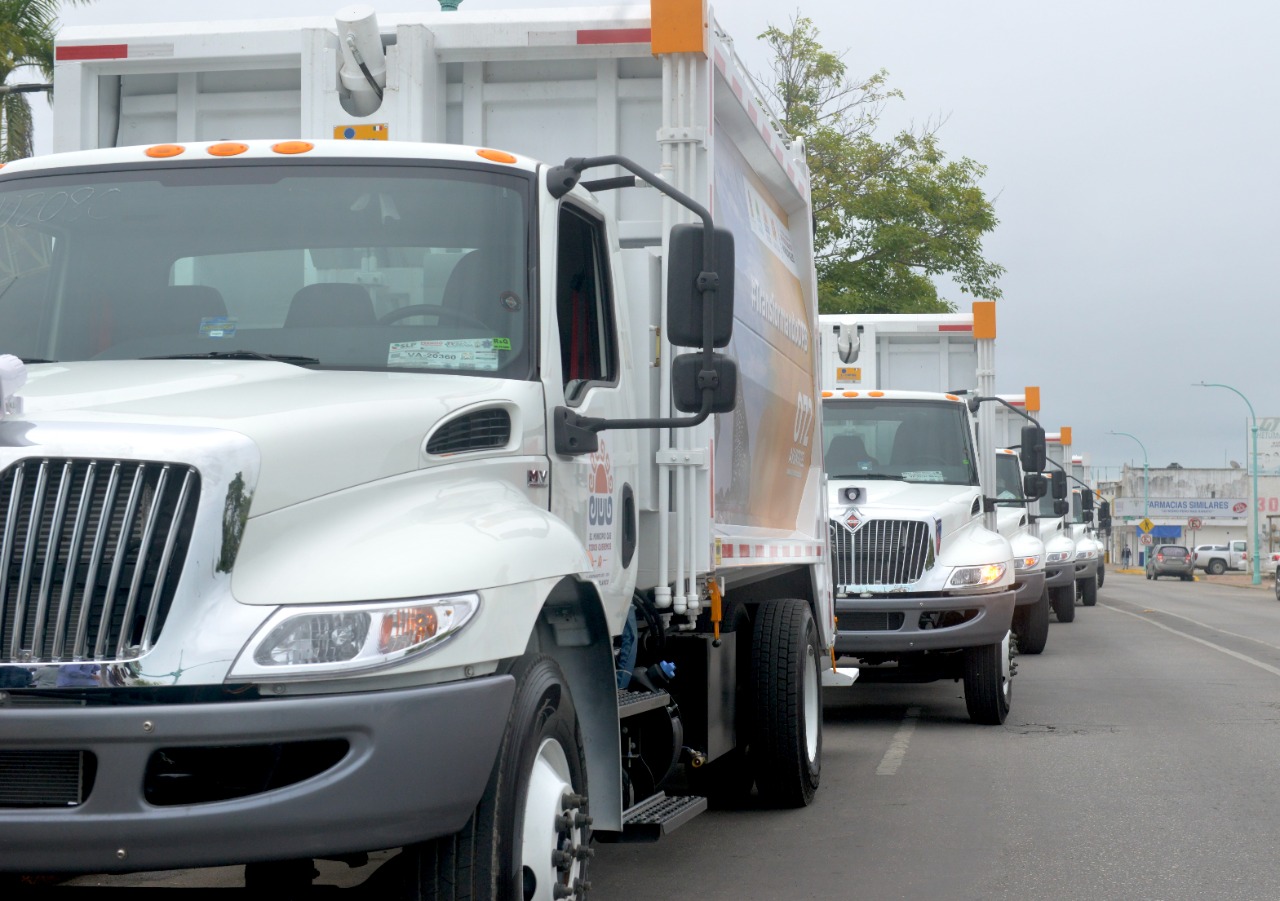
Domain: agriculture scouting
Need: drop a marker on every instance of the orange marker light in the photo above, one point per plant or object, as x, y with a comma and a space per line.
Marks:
161, 151
291, 147
950, 397
875, 394
850, 394
828, 394
227, 149
497, 156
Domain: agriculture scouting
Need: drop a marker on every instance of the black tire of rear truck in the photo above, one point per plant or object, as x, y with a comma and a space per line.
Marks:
1064, 602
786, 684
1031, 624
988, 682
1089, 592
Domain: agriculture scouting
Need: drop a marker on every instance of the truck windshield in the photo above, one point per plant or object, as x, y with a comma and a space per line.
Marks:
905, 440
1009, 481
415, 268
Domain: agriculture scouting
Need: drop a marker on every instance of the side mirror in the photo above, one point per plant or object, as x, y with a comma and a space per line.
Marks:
1061, 507
686, 390
1058, 481
1034, 486
1033, 452
684, 300
1086, 500
1088, 516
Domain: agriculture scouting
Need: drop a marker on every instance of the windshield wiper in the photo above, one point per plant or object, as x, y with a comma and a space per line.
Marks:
865, 475
241, 355
35, 360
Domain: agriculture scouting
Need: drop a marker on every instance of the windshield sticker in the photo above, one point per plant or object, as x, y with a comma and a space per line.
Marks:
218, 327
924, 475
458, 353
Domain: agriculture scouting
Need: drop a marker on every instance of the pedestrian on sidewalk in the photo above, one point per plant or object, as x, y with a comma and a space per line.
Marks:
1125, 555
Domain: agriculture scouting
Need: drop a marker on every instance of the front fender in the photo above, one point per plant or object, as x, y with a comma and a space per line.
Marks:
426, 533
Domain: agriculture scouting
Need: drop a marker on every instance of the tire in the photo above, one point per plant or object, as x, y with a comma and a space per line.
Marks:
1064, 602
1031, 623
1089, 592
540, 775
786, 744
1216, 567
988, 682
1278, 587
1102, 574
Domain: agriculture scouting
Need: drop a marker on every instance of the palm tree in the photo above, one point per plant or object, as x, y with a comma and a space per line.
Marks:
27, 30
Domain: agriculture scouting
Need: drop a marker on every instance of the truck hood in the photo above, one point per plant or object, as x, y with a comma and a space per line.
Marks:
317, 431
952, 505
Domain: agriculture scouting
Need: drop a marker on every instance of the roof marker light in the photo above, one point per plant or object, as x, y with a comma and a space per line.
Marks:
828, 394
291, 147
227, 148
163, 151
497, 156
875, 394
950, 397
850, 394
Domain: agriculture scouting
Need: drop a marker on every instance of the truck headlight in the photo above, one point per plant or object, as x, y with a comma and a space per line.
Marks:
977, 576
1058, 557
1086, 555
320, 640
1024, 563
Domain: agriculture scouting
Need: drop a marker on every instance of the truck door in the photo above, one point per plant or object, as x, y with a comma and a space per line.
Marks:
583, 370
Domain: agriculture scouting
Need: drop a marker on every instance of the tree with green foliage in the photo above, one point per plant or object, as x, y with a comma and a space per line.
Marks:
27, 31
889, 215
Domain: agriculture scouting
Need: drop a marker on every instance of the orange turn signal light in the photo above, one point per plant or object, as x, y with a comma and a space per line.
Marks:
293, 147
227, 148
497, 156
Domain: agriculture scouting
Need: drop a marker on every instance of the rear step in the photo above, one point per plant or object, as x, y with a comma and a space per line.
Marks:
659, 815
632, 702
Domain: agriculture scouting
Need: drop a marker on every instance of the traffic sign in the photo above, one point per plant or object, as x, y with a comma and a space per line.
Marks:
1146, 525
1144, 539
1195, 522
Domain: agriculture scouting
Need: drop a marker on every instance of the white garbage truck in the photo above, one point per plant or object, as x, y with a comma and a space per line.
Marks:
385, 463
926, 584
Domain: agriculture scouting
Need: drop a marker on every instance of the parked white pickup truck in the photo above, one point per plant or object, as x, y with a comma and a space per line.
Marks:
1215, 559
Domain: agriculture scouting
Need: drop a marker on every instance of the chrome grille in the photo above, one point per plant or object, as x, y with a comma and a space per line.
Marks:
880, 552
90, 553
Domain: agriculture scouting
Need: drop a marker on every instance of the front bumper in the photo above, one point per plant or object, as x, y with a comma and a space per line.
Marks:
1059, 574
1086, 569
417, 764
1029, 587
989, 625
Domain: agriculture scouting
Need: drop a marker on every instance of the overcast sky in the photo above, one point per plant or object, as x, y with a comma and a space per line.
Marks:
1130, 148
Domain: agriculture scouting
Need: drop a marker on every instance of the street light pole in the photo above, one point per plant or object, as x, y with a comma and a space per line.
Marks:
1146, 478
1253, 464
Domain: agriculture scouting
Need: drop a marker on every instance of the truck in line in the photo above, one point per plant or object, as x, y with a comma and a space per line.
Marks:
925, 582
394, 467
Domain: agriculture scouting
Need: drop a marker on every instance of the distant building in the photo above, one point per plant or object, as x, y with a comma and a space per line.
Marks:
1176, 496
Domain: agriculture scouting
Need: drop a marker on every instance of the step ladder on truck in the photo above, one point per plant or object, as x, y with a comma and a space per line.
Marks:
422, 463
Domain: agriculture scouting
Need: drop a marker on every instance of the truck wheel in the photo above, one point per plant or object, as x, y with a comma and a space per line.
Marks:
1031, 624
1064, 602
1089, 592
988, 683
1216, 567
530, 831
786, 747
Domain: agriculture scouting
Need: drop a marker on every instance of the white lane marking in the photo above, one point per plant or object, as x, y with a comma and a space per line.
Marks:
898, 747
1209, 644
1197, 622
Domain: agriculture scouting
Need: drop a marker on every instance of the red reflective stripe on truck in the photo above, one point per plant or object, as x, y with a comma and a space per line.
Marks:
955, 328
93, 51
614, 35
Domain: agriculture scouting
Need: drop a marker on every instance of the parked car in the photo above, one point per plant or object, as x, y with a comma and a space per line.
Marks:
1171, 560
1215, 559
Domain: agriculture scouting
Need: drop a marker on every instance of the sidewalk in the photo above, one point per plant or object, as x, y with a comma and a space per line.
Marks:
1235, 580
